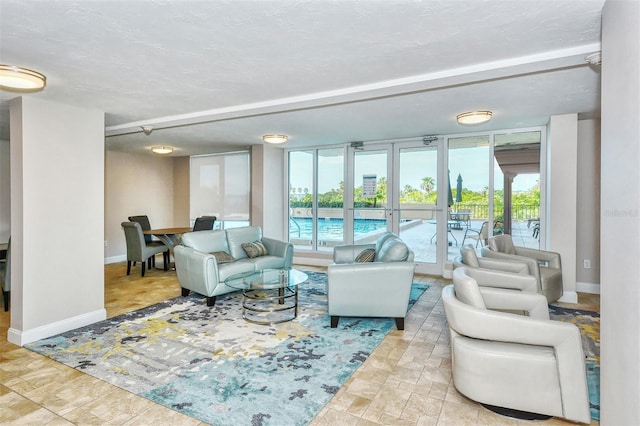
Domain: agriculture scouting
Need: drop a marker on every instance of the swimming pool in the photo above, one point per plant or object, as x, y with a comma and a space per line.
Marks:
331, 229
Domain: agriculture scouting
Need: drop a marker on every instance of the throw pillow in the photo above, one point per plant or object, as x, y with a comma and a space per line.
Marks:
255, 249
365, 255
223, 257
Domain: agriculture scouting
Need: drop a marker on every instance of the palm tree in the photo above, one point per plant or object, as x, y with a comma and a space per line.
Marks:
427, 184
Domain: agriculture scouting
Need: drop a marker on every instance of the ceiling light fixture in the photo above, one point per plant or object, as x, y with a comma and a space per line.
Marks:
162, 150
275, 138
17, 79
474, 117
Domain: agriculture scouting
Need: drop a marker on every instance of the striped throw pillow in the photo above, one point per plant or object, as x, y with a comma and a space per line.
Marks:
255, 249
365, 255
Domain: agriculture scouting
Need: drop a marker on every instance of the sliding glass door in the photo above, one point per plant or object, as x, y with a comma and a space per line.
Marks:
436, 194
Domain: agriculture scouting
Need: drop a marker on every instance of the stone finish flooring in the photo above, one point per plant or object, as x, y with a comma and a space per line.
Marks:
405, 381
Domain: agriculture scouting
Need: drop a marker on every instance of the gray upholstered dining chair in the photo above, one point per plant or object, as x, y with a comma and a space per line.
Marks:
138, 250
204, 223
143, 220
5, 277
521, 366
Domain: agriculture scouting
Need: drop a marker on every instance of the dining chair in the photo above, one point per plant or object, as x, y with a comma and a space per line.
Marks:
204, 223
143, 220
138, 250
5, 277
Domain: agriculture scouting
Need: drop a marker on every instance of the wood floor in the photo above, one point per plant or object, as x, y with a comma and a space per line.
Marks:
405, 381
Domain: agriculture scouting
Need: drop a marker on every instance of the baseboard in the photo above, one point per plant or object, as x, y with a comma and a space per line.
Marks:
22, 337
569, 297
591, 288
115, 259
312, 261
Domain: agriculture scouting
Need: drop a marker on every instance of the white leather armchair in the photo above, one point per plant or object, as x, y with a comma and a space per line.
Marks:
545, 265
380, 288
499, 273
529, 364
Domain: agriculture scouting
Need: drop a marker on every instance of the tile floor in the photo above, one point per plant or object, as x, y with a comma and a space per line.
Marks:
405, 381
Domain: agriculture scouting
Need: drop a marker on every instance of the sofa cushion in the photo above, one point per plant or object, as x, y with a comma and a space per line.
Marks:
366, 255
238, 236
266, 262
392, 250
255, 249
206, 241
223, 257
469, 256
382, 238
229, 269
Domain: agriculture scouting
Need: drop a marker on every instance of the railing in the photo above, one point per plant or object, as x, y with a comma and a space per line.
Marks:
518, 211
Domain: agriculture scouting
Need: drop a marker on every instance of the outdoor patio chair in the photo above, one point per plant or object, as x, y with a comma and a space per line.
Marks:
480, 235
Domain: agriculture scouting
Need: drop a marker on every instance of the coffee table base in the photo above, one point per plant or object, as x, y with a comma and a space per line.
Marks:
265, 306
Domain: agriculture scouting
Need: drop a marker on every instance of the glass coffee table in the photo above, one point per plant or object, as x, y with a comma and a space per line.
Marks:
269, 296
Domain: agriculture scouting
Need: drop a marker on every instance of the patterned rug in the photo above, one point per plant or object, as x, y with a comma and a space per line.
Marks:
589, 324
210, 364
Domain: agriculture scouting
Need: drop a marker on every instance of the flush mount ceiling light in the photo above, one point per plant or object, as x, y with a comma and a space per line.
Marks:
275, 138
163, 150
474, 117
16, 79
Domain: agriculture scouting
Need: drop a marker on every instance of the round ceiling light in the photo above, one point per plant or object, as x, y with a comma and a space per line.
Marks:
474, 117
275, 138
162, 150
17, 79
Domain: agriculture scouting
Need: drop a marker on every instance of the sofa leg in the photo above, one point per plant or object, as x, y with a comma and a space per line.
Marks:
400, 323
185, 292
334, 321
128, 267
211, 301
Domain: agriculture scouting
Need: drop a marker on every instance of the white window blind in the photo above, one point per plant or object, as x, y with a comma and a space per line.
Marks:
220, 186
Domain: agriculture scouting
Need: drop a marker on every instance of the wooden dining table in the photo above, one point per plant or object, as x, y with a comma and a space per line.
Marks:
169, 236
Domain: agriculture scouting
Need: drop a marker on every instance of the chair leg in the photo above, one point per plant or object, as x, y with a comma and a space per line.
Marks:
400, 323
166, 259
128, 267
6, 295
149, 261
185, 292
211, 301
334, 321
143, 265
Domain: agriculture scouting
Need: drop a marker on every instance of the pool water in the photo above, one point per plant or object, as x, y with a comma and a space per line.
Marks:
332, 228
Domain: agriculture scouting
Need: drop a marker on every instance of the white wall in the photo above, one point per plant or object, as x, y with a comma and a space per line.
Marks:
267, 190
562, 201
57, 214
136, 185
5, 192
620, 219
588, 212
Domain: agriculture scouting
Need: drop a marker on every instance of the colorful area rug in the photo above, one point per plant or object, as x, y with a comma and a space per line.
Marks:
210, 364
589, 324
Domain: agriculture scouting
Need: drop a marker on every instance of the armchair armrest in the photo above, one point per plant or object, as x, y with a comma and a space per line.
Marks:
196, 270
533, 303
348, 253
504, 280
505, 265
532, 263
549, 258
279, 248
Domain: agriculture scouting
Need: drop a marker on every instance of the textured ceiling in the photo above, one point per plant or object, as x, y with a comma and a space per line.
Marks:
210, 76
